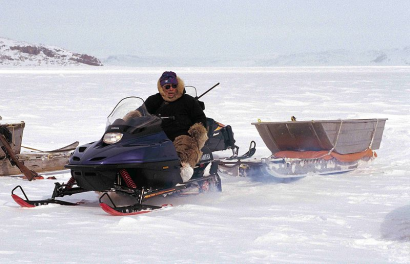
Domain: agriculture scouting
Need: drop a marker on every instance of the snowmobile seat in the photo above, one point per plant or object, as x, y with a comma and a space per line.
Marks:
220, 137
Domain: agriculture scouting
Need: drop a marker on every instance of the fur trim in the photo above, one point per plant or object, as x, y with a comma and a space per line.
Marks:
199, 133
189, 147
187, 150
132, 114
179, 93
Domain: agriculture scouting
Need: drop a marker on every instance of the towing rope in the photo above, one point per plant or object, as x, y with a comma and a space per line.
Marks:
31, 148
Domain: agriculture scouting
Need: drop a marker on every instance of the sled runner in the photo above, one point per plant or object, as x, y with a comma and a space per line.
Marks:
312, 147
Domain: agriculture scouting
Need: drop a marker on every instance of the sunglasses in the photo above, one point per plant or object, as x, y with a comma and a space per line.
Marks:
168, 86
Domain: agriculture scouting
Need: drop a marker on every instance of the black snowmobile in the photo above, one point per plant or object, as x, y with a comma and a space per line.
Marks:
135, 158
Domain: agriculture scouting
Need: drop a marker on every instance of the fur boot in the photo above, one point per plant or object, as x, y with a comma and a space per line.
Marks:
189, 147
186, 172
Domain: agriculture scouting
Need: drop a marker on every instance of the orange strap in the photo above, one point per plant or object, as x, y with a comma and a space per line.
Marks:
323, 154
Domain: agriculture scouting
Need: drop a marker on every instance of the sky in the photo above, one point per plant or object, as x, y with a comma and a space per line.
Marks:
197, 28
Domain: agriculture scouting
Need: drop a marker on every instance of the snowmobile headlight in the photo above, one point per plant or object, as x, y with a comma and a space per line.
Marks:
111, 138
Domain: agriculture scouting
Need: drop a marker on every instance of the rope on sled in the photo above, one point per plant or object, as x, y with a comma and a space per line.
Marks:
336, 140
338, 133
374, 134
337, 137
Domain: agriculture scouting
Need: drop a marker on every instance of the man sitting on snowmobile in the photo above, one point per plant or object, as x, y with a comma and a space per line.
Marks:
183, 120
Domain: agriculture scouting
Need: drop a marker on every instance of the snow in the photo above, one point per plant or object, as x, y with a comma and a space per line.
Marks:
358, 217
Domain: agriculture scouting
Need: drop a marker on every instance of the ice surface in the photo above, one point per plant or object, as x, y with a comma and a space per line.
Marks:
358, 217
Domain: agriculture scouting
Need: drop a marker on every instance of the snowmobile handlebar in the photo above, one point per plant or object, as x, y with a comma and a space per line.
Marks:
168, 117
207, 91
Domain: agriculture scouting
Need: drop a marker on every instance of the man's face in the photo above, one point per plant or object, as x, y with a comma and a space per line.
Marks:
170, 90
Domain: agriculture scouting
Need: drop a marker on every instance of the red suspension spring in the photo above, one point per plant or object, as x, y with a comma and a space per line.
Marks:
70, 183
127, 178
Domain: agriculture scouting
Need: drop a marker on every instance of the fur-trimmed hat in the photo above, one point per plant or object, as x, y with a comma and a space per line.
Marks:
171, 78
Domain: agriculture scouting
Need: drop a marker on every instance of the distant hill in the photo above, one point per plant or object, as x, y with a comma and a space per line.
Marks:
388, 57
18, 53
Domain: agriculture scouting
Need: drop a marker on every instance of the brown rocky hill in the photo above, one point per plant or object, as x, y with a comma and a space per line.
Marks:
17, 53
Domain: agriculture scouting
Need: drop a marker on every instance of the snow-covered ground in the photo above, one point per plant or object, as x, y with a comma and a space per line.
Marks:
358, 217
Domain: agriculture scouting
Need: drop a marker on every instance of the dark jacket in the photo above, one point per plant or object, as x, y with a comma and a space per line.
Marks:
178, 116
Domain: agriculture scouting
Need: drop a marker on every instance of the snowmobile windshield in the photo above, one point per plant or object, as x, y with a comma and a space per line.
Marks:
134, 109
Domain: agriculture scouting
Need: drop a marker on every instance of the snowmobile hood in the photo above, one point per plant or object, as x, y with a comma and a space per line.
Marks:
140, 139
151, 148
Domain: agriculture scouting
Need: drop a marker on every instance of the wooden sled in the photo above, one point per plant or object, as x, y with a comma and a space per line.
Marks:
300, 148
13, 162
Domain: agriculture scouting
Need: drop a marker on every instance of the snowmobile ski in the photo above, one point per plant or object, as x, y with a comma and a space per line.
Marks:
134, 209
201, 185
33, 203
128, 210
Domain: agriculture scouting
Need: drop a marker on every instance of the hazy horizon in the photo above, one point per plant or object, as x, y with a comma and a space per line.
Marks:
228, 29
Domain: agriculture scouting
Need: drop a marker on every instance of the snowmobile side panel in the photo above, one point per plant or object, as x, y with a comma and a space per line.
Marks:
92, 179
103, 177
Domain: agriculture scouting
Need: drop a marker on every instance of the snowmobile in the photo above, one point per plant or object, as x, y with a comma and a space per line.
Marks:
135, 158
